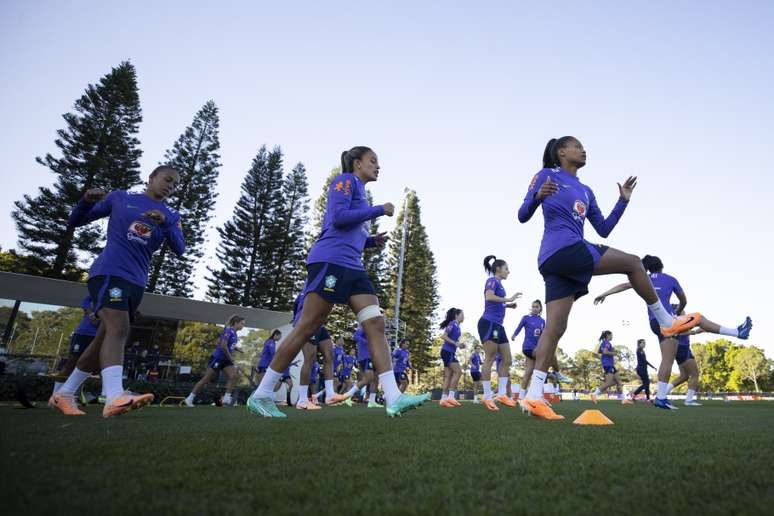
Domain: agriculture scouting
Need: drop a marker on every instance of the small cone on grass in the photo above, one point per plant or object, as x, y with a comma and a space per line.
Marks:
592, 417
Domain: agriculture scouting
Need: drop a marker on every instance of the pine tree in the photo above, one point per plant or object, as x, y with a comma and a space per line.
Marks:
195, 155
288, 242
99, 149
245, 250
419, 294
375, 262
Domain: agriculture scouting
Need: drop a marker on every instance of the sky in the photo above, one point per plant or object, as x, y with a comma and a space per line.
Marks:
458, 100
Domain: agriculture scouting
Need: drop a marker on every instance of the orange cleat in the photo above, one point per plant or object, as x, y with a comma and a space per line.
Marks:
627, 402
446, 403
308, 406
125, 403
455, 402
681, 323
65, 404
313, 401
539, 408
337, 398
505, 400
490, 405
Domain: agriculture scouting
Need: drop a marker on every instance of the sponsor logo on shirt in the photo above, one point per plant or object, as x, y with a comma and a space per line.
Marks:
579, 210
139, 232
496, 334
116, 294
330, 282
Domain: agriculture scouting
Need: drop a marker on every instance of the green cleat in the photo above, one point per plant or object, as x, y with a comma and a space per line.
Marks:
373, 404
264, 407
348, 402
405, 403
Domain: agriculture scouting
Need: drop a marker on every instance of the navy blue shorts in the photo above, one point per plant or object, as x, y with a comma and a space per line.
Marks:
683, 354
321, 336
336, 284
487, 330
79, 343
401, 377
448, 358
568, 271
115, 293
365, 365
475, 376
218, 364
529, 353
344, 375
609, 369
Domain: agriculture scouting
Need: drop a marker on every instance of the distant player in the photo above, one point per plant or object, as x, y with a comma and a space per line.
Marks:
401, 363
607, 357
642, 371
79, 340
267, 353
452, 372
474, 362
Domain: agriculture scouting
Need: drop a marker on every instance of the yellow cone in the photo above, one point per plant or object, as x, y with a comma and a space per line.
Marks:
592, 417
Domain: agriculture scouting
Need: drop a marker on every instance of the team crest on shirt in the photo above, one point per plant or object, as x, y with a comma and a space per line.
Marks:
579, 210
344, 186
139, 232
537, 332
330, 282
496, 334
115, 294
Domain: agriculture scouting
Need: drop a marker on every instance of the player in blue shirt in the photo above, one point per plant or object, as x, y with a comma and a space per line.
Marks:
607, 357
79, 341
267, 353
666, 286
642, 371
567, 261
401, 363
452, 372
336, 275
492, 333
689, 369
139, 223
320, 341
221, 360
474, 362
367, 378
338, 359
345, 372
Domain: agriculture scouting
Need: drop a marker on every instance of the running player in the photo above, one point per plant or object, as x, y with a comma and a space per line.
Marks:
667, 285
567, 262
322, 341
474, 362
79, 341
267, 353
139, 223
533, 326
221, 360
642, 371
401, 363
451, 366
492, 333
336, 276
607, 357
366, 368
689, 369
345, 373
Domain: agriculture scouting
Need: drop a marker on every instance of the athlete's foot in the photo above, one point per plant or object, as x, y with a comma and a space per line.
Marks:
539, 408
348, 402
664, 404
125, 403
505, 400
594, 398
188, 403
405, 403
373, 404
455, 402
306, 405
627, 402
523, 406
562, 379
692, 403
340, 398
681, 323
744, 329
446, 403
66, 404
490, 405
264, 407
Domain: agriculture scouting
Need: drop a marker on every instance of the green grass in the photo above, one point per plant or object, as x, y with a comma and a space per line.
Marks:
715, 459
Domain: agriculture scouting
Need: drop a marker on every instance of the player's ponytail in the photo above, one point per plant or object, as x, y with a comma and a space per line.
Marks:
652, 264
276, 334
348, 157
605, 336
234, 319
550, 154
492, 263
451, 314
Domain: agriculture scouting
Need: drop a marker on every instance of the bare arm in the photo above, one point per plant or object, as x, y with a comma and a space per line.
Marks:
615, 290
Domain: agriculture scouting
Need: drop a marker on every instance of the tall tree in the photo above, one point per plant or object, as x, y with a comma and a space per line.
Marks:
419, 294
99, 149
245, 250
751, 364
288, 243
195, 155
585, 368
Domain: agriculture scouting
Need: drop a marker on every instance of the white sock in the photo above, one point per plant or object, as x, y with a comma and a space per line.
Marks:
452, 395
661, 392
227, 398
597, 392
390, 387
535, 391
266, 387
303, 392
113, 379
487, 389
522, 392
669, 388
475, 396
57, 386
372, 398
329, 391
444, 395
690, 394
351, 392
731, 332
662, 316
502, 385
73, 382
191, 397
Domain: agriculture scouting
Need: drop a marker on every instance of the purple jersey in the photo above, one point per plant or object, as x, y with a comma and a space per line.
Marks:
131, 237
565, 211
665, 285
607, 360
229, 335
362, 345
533, 326
400, 359
475, 363
494, 311
346, 224
298, 306
86, 326
338, 356
452, 331
269, 348
314, 373
347, 363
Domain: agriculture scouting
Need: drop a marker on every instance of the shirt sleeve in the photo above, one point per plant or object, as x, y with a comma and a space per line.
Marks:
531, 204
518, 328
87, 212
604, 226
339, 202
677, 287
174, 230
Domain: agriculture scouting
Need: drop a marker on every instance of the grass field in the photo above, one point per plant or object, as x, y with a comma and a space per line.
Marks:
715, 459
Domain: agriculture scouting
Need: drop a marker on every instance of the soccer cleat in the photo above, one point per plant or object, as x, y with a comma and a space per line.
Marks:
490, 405
304, 404
539, 408
455, 402
102, 400
562, 379
264, 407
373, 404
125, 403
692, 403
65, 403
627, 401
446, 403
681, 323
664, 404
340, 398
348, 402
744, 329
505, 400
405, 403
594, 398
188, 403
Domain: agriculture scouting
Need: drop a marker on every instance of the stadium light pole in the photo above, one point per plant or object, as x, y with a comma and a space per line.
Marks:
402, 255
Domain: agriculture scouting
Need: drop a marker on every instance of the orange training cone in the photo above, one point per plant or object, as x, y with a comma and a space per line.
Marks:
592, 417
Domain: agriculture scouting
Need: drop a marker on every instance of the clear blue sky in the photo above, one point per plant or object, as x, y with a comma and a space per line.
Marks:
458, 101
